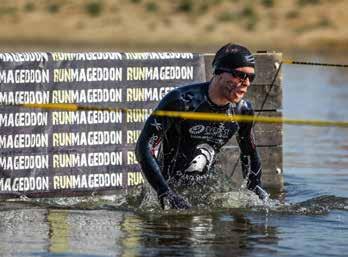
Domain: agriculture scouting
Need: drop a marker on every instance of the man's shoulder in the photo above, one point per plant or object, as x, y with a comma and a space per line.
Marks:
195, 88
180, 96
190, 91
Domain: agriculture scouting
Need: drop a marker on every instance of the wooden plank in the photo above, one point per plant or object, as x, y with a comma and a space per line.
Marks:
269, 134
266, 69
257, 94
208, 59
272, 163
266, 134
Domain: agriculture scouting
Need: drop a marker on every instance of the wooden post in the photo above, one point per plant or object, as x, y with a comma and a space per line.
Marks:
268, 136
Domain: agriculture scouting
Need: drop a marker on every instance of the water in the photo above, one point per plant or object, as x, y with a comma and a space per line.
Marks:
310, 218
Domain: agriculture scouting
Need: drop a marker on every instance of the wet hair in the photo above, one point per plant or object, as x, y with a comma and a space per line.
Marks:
232, 56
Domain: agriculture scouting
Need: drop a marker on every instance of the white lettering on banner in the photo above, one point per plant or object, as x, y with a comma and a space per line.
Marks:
24, 162
87, 159
23, 119
131, 158
24, 57
21, 76
135, 178
87, 138
158, 56
22, 184
168, 73
85, 117
160, 73
24, 97
92, 56
137, 115
87, 181
88, 74
23, 141
142, 73
147, 94
99, 95
132, 136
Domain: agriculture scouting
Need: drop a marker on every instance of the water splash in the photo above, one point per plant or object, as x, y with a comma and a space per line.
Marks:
206, 198
209, 196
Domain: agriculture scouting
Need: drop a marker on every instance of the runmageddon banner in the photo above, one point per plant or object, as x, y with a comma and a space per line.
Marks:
60, 152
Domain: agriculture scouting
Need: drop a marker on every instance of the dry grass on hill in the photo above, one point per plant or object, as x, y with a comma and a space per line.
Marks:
176, 24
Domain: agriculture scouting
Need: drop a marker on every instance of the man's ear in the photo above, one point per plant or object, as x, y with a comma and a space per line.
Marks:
218, 76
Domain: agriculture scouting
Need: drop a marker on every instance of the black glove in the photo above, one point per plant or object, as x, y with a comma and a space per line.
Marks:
263, 195
175, 201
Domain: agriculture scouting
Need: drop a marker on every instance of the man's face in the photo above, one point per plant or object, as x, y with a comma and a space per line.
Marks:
233, 88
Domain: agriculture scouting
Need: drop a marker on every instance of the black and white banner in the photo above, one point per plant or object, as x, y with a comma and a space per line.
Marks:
63, 152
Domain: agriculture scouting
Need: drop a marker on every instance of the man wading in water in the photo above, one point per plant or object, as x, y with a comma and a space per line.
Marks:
187, 148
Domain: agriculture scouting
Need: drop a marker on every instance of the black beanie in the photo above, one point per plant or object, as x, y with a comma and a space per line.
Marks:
232, 56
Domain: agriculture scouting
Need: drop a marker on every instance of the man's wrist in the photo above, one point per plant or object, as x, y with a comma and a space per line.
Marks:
163, 194
263, 195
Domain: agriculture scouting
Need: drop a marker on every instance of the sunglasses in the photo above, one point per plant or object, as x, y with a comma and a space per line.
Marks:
240, 74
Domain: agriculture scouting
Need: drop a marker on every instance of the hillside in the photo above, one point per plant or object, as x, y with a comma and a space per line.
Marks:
195, 25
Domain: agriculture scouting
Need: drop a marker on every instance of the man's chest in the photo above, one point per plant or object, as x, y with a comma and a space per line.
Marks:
215, 133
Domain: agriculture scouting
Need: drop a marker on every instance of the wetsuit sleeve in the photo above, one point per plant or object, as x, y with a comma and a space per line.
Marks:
151, 135
250, 159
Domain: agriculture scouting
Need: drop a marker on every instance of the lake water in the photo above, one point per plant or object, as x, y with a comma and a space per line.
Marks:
312, 219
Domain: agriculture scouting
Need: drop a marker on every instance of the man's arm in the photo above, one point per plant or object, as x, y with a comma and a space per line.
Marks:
250, 159
150, 137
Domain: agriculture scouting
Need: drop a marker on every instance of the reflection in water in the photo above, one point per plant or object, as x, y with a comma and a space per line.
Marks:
93, 233
18, 236
115, 233
59, 231
213, 234
89, 232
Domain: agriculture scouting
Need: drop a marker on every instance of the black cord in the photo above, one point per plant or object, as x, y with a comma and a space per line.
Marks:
269, 91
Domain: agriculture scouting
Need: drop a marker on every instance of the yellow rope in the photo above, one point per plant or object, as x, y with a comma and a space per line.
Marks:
249, 118
198, 115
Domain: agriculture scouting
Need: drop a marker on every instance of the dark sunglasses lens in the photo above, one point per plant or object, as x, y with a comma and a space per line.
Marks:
243, 75
251, 77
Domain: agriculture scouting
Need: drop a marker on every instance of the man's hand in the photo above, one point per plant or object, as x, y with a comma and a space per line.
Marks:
174, 200
263, 195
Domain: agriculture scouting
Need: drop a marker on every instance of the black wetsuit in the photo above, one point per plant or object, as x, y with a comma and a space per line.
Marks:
188, 147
